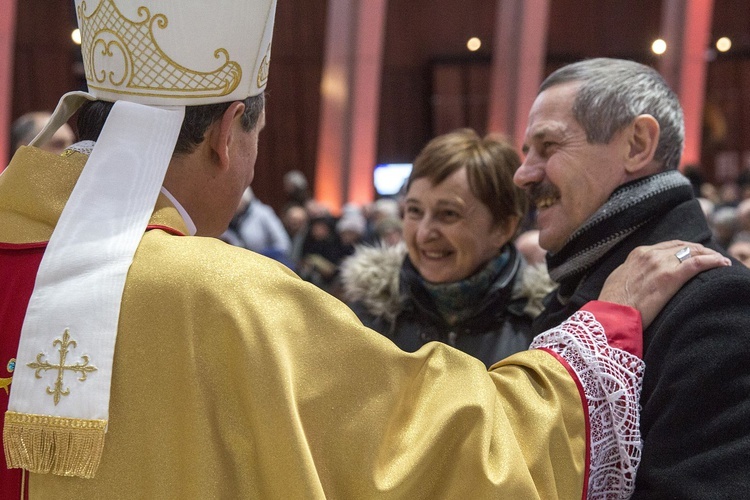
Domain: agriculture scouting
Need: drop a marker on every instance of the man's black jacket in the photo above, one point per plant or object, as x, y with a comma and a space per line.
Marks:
695, 419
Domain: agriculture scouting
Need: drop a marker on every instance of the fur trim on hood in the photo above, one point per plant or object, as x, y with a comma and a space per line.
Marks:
371, 277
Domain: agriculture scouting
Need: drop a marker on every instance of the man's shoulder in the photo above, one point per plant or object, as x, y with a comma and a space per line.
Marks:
715, 301
722, 285
187, 259
730, 281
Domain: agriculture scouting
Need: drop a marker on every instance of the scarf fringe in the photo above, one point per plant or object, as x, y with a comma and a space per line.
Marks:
58, 445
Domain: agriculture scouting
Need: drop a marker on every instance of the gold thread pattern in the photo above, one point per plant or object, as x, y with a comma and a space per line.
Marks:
145, 69
264, 69
39, 365
60, 445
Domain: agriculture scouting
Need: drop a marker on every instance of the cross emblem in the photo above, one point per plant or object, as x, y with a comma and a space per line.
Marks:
40, 366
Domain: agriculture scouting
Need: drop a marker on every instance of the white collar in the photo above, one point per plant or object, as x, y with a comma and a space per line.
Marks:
181, 210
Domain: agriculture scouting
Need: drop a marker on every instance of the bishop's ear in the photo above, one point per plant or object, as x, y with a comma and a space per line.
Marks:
643, 140
222, 132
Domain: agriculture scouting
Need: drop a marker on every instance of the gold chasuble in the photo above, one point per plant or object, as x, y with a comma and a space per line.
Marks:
233, 378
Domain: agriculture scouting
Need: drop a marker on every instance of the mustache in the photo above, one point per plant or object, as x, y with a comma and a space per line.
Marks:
541, 191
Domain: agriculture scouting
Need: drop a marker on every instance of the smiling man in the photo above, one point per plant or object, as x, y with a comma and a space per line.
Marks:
603, 144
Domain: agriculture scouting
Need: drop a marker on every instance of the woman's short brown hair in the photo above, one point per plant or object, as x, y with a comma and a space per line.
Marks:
490, 163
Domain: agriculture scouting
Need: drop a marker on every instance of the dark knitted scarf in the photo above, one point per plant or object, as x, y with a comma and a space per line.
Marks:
458, 301
631, 206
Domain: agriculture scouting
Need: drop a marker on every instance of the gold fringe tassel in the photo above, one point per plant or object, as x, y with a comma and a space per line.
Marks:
57, 445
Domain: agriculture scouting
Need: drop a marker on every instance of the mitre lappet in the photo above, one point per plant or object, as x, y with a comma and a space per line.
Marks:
151, 58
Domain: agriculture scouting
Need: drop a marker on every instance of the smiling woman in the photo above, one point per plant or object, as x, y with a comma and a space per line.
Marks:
458, 279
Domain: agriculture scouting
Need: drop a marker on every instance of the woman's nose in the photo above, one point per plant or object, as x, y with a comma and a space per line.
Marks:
427, 230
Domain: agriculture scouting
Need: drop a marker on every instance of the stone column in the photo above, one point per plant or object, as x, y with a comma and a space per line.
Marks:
686, 27
518, 64
350, 102
7, 44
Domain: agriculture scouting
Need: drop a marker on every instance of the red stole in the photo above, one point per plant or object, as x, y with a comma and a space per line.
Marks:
18, 268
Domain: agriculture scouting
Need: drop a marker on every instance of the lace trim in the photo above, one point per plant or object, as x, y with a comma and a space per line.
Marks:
83, 147
611, 380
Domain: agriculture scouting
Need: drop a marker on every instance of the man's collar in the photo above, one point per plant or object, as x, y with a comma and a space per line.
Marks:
181, 210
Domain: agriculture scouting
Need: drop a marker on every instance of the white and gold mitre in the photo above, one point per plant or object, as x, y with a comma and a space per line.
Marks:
175, 52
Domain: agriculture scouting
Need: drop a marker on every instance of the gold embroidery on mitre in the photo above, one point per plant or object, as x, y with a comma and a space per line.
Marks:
145, 69
39, 365
264, 68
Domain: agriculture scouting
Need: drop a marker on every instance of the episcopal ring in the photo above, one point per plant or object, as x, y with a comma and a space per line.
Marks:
683, 254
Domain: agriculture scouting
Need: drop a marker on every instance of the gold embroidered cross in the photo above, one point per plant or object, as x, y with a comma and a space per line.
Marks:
83, 369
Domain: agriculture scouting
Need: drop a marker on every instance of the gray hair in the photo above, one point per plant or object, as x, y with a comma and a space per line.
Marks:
614, 92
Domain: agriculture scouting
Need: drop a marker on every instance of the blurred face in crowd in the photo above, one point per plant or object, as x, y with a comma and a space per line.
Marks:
566, 177
740, 251
349, 237
295, 219
320, 230
61, 139
31, 124
450, 234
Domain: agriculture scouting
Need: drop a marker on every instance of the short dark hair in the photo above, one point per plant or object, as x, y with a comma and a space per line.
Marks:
490, 164
93, 114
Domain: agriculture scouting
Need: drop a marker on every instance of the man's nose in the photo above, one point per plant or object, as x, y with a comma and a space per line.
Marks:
530, 172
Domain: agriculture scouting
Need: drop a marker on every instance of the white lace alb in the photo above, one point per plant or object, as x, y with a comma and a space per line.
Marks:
611, 380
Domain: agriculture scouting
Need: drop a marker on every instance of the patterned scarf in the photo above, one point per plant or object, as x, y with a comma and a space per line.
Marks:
456, 301
631, 206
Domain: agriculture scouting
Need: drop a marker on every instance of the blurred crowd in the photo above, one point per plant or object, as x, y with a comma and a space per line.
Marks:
727, 209
307, 237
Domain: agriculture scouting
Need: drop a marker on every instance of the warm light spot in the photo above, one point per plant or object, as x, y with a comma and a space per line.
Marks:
473, 44
659, 46
723, 44
76, 36
334, 86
